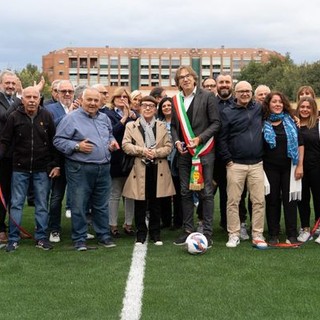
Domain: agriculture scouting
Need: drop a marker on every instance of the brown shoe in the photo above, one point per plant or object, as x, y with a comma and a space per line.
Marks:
128, 230
3, 237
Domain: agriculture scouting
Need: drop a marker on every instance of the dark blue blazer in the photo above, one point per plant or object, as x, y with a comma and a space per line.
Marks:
57, 112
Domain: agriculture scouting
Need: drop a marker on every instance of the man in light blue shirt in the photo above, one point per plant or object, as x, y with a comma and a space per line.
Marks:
85, 138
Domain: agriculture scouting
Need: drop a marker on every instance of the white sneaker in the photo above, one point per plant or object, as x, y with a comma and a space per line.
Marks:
317, 232
233, 241
304, 236
90, 236
259, 242
243, 232
68, 213
158, 243
54, 236
317, 240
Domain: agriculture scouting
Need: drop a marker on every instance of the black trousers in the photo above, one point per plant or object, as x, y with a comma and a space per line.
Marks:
310, 184
279, 179
153, 204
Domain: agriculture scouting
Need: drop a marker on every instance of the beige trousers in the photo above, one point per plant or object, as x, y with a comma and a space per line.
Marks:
237, 176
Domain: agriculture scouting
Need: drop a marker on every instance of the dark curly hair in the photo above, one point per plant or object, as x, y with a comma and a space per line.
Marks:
266, 104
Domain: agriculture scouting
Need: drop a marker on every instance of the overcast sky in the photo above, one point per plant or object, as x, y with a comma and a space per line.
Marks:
33, 28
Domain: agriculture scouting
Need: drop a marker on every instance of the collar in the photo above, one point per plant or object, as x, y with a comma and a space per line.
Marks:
193, 93
87, 114
118, 111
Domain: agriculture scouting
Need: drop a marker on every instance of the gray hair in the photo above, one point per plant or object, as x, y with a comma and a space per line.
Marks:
6, 73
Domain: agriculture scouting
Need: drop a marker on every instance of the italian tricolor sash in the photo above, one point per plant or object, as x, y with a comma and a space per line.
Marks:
196, 176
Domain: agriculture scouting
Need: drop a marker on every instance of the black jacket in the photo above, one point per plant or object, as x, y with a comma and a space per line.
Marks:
118, 132
240, 138
31, 141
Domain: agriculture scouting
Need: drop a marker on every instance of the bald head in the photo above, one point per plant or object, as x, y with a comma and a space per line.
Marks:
261, 92
31, 100
90, 101
104, 93
243, 93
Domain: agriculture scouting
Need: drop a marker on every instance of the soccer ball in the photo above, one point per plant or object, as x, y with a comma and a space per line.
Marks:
196, 243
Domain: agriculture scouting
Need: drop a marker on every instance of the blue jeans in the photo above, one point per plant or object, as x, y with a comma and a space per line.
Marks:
19, 189
88, 182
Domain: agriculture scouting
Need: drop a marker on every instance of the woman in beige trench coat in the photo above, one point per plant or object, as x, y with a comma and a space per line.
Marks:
150, 178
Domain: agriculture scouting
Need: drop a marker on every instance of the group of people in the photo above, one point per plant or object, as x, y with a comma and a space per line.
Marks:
75, 144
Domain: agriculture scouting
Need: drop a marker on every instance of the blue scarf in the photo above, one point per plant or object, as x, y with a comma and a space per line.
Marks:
291, 133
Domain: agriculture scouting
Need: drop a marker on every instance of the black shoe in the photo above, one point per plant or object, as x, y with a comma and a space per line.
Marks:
107, 243
140, 241
293, 240
181, 240
44, 244
209, 240
80, 246
12, 246
273, 240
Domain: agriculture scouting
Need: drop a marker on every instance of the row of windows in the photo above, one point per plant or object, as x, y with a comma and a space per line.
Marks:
93, 63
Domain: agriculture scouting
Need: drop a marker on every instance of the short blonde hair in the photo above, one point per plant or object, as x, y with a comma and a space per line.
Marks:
117, 93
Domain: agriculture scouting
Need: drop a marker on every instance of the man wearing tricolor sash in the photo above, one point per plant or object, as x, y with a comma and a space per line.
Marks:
195, 123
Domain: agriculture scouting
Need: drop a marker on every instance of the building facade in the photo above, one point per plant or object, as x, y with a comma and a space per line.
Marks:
145, 68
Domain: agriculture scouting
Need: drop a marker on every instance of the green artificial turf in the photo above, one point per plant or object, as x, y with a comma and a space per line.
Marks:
224, 283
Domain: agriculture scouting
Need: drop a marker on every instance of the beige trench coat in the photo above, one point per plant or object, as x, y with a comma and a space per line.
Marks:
134, 187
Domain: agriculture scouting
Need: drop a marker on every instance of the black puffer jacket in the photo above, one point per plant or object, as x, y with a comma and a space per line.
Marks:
31, 141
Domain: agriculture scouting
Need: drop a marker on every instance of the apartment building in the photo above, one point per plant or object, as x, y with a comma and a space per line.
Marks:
144, 68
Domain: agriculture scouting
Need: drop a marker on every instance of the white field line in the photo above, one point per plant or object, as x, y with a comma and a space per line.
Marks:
132, 301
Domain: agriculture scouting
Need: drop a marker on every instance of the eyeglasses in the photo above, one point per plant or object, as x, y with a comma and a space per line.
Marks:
66, 91
104, 92
209, 86
187, 76
55, 90
244, 91
122, 97
147, 105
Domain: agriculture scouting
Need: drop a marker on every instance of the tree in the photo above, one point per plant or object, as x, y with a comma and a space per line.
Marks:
278, 73
31, 75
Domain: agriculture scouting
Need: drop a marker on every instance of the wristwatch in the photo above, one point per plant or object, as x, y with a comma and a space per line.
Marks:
77, 147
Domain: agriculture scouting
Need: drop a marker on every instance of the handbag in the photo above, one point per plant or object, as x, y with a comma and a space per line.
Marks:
127, 164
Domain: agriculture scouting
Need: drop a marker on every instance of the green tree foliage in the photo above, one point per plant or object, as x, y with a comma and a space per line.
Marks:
31, 75
283, 75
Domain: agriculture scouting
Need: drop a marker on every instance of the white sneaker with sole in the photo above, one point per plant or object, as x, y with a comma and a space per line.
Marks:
54, 237
259, 242
243, 232
233, 242
317, 240
304, 236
